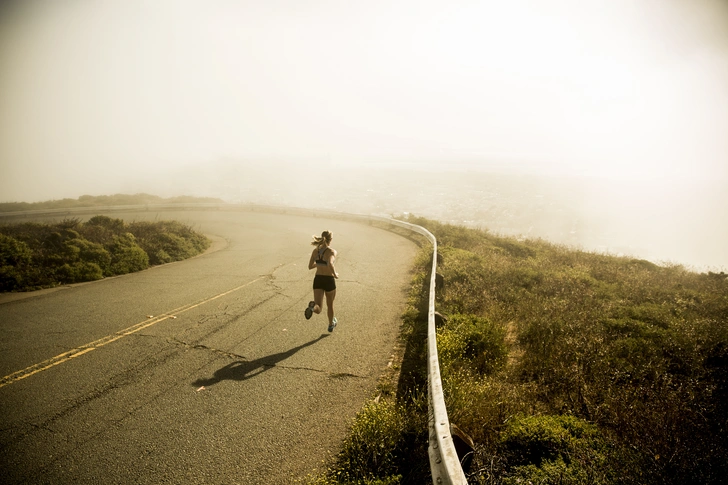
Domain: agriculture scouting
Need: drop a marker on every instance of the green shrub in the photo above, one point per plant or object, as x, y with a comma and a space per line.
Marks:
464, 281
387, 444
36, 255
126, 255
10, 278
472, 342
78, 272
160, 256
167, 241
90, 252
514, 248
554, 450
15, 256
534, 439
97, 233
13, 252
370, 450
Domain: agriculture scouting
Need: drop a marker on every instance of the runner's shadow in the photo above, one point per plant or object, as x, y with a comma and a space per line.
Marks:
242, 370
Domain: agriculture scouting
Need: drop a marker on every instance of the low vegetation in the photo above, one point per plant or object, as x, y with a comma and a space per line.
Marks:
35, 255
564, 366
103, 201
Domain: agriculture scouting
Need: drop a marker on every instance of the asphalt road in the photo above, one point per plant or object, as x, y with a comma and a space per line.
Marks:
205, 370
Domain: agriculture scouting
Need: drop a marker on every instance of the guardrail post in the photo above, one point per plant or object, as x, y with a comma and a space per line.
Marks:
440, 320
464, 446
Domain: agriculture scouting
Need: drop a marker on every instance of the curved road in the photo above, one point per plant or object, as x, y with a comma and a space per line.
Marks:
201, 371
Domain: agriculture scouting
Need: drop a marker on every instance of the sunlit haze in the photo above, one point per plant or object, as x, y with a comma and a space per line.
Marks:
622, 103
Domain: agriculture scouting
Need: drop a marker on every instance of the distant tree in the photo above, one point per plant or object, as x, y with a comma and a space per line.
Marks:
114, 225
69, 223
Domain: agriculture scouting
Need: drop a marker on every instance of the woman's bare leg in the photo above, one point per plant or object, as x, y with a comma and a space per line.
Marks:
330, 295
318, 298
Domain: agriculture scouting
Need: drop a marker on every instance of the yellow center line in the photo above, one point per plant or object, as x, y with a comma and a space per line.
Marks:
83, 349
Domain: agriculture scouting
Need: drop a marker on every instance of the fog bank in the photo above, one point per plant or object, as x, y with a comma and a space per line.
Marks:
622, 106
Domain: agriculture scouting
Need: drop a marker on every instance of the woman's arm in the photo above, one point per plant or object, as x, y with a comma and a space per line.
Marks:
331, 264
312, 261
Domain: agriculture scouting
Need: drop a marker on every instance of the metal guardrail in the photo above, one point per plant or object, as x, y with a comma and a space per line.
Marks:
444, 462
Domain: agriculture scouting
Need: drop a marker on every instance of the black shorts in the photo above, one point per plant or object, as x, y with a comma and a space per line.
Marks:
324, 282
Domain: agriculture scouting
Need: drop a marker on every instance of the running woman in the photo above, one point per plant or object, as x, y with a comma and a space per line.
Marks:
324, 283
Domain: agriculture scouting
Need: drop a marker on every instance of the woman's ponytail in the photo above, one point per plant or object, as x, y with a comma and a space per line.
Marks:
325, 238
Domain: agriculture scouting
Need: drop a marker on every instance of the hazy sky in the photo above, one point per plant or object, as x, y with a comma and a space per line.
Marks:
93, 90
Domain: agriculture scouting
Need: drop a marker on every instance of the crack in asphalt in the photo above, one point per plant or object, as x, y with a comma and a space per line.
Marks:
205, 347
333, 375
271, 281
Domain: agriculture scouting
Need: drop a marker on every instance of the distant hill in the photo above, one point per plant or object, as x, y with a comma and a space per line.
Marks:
105, 200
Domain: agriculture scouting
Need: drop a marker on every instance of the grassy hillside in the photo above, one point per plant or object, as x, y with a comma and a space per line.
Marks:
103, 201
34, 256
563, 366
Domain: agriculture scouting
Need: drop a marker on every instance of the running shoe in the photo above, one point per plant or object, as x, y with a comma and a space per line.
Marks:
309, 310
332, 325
